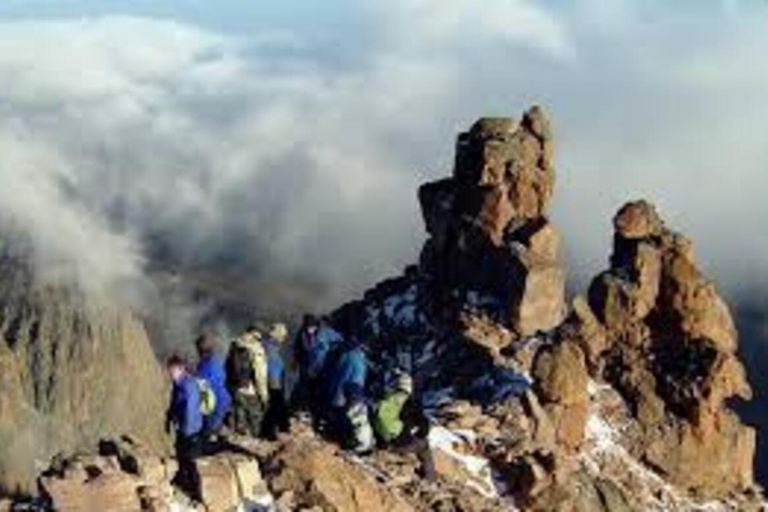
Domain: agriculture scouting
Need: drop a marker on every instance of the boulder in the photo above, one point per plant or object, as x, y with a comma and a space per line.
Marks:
316, 475
561, 377
489, 233
560, 374
708, 462
538, 295
229, 481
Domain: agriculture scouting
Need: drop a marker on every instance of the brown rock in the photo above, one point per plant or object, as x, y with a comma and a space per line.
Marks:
583, 328
538, 300
319, 477
560, 374
636, 220
109, 491
75, 368
709, 463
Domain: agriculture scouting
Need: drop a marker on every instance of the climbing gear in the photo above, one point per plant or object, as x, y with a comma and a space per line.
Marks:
207, 397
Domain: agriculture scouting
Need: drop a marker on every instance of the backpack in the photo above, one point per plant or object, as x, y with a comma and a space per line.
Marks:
240, 366
207, 397
387, 421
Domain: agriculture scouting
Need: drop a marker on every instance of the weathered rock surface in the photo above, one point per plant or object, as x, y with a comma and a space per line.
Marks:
308, 473
73, 369
672, 356
488, 226
485, 310
126, 476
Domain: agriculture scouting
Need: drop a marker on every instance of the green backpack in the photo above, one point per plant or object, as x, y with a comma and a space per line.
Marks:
387, 423
207, 397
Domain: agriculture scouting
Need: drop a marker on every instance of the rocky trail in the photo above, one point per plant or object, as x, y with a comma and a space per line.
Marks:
615, 400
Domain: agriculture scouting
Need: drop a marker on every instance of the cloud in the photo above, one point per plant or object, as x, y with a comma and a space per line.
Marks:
130, 139
435, 25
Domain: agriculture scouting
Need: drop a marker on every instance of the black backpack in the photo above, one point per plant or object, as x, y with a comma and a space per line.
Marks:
240, 370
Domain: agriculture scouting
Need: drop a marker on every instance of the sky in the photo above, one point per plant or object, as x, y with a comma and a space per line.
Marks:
286, 140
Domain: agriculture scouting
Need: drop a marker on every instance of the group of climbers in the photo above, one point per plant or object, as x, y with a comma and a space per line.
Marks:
333, 385
247, 392
244, 391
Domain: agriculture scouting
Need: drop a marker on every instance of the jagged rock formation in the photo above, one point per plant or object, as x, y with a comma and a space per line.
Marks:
72, 370
485, 309
488, 226
672, 354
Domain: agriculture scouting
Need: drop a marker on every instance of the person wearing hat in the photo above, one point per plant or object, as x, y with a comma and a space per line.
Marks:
276, 419
401, 425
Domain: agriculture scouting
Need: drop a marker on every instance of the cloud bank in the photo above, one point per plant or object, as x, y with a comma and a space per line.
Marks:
127, 142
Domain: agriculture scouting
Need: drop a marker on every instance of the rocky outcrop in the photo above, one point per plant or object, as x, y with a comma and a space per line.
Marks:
488, 225
672, 355
73, 369
483, 321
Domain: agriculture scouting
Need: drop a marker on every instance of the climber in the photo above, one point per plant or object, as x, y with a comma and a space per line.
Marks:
315, 341
347, 412
184, 413
210, 368
247, 380
325, 339
276, 417
400, 424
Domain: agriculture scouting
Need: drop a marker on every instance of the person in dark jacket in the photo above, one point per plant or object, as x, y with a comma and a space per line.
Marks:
211, 368
184, 413
247, 376
277, 417
401, 425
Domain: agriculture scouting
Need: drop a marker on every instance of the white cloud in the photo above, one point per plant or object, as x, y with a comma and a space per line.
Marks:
428, 25
230, 150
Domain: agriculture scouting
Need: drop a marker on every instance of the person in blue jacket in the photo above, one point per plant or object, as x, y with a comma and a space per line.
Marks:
347, 374
184, 413
325, 340
211, 368
348, 412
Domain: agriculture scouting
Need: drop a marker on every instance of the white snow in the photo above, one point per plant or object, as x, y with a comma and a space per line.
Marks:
479, 468
402, 310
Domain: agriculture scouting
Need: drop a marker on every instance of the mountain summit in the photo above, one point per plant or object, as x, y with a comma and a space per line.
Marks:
614, 401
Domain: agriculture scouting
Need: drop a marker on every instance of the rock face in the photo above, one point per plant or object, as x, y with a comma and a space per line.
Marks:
72, 370
482, 321
488, 225
672, 355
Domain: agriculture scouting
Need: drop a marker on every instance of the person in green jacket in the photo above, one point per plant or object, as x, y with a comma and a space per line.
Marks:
400, 424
